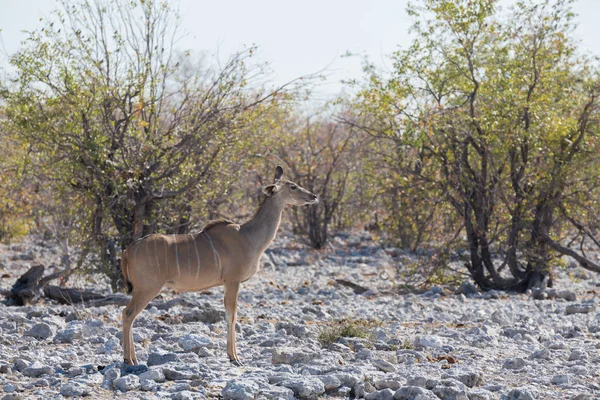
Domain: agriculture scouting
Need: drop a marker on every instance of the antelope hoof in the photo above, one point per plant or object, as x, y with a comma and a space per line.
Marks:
236, 362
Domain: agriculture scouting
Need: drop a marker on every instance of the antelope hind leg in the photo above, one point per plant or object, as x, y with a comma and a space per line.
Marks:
139, 301
231, 298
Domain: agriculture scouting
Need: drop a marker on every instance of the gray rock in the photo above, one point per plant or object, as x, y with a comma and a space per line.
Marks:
414, 393
361, 389
40, 331
155, 375
330, 382
110, 376
174, 375
384, 365
468, 289
577, 354
180, 387
580, 370
240, 390
520, 394
159, 359
74, 389
188, 395
304, 387
126, 383
147, 385
37, 370
207, 315
540, 354
561, 379
428, 341
481, 394
68, 335
112, 345
584, 308
10, 387
450, 389
387, 383
192, 342
291, 355
568, 295
470, 379
271, 392
385, 394
514, 363
347, 379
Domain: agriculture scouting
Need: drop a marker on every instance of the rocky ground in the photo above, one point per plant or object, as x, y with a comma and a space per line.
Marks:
443, 343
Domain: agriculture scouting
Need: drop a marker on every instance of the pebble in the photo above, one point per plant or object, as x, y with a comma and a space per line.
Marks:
304, 387
585, 308
74, 389
40, 331
240, 390
126, 383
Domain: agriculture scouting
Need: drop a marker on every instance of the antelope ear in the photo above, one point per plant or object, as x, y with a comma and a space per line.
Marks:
278, 173
270, 190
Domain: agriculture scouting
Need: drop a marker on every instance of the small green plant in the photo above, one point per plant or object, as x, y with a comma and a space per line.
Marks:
347, 328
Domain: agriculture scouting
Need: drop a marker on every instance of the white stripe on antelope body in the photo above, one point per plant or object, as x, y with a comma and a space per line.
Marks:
229, 253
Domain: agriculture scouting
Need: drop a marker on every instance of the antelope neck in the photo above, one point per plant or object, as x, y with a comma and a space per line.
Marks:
261, 229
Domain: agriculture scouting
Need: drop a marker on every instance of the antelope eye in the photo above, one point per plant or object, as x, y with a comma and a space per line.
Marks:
293, 187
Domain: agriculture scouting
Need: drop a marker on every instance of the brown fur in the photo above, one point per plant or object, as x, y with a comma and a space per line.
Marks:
224, 254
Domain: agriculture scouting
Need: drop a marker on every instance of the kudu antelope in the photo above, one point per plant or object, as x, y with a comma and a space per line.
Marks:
224, 253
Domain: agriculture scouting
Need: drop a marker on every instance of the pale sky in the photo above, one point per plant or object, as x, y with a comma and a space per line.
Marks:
297, 38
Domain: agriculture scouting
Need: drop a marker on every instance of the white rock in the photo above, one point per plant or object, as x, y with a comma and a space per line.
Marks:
155, 375
40, 331
240, 390
74, 389
127, 383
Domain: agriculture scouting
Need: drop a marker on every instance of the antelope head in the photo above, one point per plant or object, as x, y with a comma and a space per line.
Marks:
289, 192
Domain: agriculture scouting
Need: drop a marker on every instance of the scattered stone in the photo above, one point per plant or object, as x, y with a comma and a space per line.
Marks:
514, 363
387, 383
240, 390
192, 342
37, 371
174, 375
330, 382
160, 359
428, 341
385, 394
109, 377
74, 389
577, 354
147, 385
520, 394
155, 375
271, 392
207, 315
468, 289
541, 354
305, 387
584, 308
67, 335
414, 393
39, 331
291, 355
126, 383
384, 365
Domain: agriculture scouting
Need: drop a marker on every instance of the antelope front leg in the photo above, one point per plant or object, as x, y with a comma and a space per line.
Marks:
231, 298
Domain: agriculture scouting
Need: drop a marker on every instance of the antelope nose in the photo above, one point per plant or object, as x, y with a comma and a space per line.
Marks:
315, 198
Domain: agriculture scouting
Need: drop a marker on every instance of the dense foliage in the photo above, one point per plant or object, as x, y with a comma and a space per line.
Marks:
482, 143
492, 121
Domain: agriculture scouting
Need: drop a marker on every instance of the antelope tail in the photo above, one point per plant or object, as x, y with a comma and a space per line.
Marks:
125, 273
